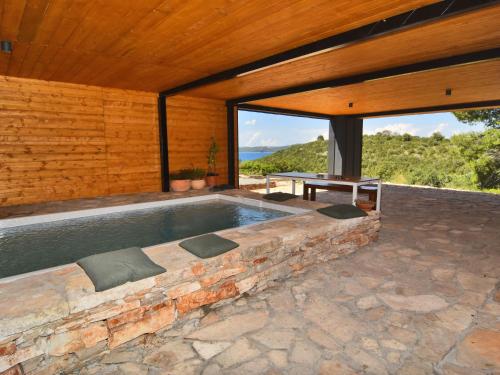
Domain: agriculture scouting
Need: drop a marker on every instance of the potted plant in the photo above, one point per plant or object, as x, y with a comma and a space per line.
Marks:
365, 205
198, 178
180, 180
213, 149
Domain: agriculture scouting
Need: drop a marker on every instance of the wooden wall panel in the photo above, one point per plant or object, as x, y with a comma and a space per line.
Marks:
131, 131
191, 122
63, 141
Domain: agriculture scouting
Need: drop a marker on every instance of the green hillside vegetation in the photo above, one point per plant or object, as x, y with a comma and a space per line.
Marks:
465, 161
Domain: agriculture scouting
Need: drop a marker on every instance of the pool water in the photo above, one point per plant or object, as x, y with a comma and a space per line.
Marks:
38, 246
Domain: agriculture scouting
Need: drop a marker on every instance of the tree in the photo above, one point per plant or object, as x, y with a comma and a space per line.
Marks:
320, 138
482, 151
489, 117
407, 137
437, 136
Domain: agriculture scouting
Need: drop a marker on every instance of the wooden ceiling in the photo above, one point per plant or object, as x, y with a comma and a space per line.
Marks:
154, 45
469, 83
468, 32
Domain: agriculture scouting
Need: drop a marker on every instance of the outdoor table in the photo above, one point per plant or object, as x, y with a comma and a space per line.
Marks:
355, 182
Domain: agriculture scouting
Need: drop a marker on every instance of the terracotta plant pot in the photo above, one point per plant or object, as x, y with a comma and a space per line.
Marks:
180, 185
198, 184
211, 180
365, 205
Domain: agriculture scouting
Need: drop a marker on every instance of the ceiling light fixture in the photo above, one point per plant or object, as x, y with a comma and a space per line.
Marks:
448, 92
351, 105
6, 46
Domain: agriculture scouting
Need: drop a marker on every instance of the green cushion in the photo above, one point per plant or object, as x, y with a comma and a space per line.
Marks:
279, 196
114, 268
208, 245
342, 211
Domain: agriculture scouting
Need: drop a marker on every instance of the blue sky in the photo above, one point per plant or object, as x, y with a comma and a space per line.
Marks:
261, 129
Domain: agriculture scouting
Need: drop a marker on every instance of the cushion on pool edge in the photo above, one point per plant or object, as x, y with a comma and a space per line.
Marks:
114, 268
279, 196
342, 211
208, 245
221, 187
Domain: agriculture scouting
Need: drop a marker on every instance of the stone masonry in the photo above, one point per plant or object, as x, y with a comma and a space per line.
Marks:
423, 299
54, 322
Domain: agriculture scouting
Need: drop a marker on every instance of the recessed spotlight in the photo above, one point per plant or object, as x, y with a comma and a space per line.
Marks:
6, 46
448, 92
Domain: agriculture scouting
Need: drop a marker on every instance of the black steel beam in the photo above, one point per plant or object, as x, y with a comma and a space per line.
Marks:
384, 73
162, 122
281, 111
231, 160
438, 108
400, 22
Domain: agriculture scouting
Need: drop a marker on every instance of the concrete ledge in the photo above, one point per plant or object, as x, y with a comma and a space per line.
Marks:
49, 319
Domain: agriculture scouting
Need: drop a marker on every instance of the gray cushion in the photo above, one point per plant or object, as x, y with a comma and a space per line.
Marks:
279, 196
342, 211
208, 245
221, 187
114, 268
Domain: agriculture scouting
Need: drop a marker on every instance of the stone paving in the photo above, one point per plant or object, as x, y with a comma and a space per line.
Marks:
424, 299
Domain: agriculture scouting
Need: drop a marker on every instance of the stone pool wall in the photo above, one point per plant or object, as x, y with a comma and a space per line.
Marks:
54, 321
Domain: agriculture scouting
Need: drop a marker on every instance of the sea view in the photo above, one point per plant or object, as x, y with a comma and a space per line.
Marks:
252, 155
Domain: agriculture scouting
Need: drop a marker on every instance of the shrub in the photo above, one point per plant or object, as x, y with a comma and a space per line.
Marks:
198, 174
183, 174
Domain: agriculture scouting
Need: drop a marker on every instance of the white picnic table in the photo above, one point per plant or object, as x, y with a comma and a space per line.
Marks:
355, 182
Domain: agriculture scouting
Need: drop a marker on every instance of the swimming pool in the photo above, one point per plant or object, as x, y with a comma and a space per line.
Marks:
39, 242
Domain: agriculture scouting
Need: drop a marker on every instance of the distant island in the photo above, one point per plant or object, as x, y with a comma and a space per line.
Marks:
262, 148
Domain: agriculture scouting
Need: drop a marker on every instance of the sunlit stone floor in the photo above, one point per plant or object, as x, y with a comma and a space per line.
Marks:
424, 299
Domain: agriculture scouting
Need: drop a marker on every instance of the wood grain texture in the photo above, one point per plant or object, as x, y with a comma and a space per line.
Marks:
191, 123
131, 121
469, 83
62, 141
158, 44
469, 32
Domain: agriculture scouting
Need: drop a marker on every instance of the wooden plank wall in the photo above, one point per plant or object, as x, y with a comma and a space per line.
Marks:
132, 141
62, 141
191, 122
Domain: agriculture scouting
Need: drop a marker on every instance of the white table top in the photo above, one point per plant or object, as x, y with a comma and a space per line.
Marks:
325, 177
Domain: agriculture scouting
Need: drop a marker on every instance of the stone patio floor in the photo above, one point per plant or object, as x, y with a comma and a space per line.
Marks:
424, 299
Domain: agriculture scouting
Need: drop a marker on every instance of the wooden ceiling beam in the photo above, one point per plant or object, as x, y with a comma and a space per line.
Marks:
397, 112
282, 111
452, 87
467, 58
438, 108
414, 18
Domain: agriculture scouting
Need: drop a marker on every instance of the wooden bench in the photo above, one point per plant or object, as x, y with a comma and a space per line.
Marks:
371, 190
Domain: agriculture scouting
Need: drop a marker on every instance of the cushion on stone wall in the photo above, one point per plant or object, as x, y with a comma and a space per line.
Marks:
114, 268
342, 211
208, 245
279, 196
221, 187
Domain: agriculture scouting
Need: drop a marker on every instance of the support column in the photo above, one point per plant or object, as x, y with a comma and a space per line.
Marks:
232, 112
345, 146
162, 123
